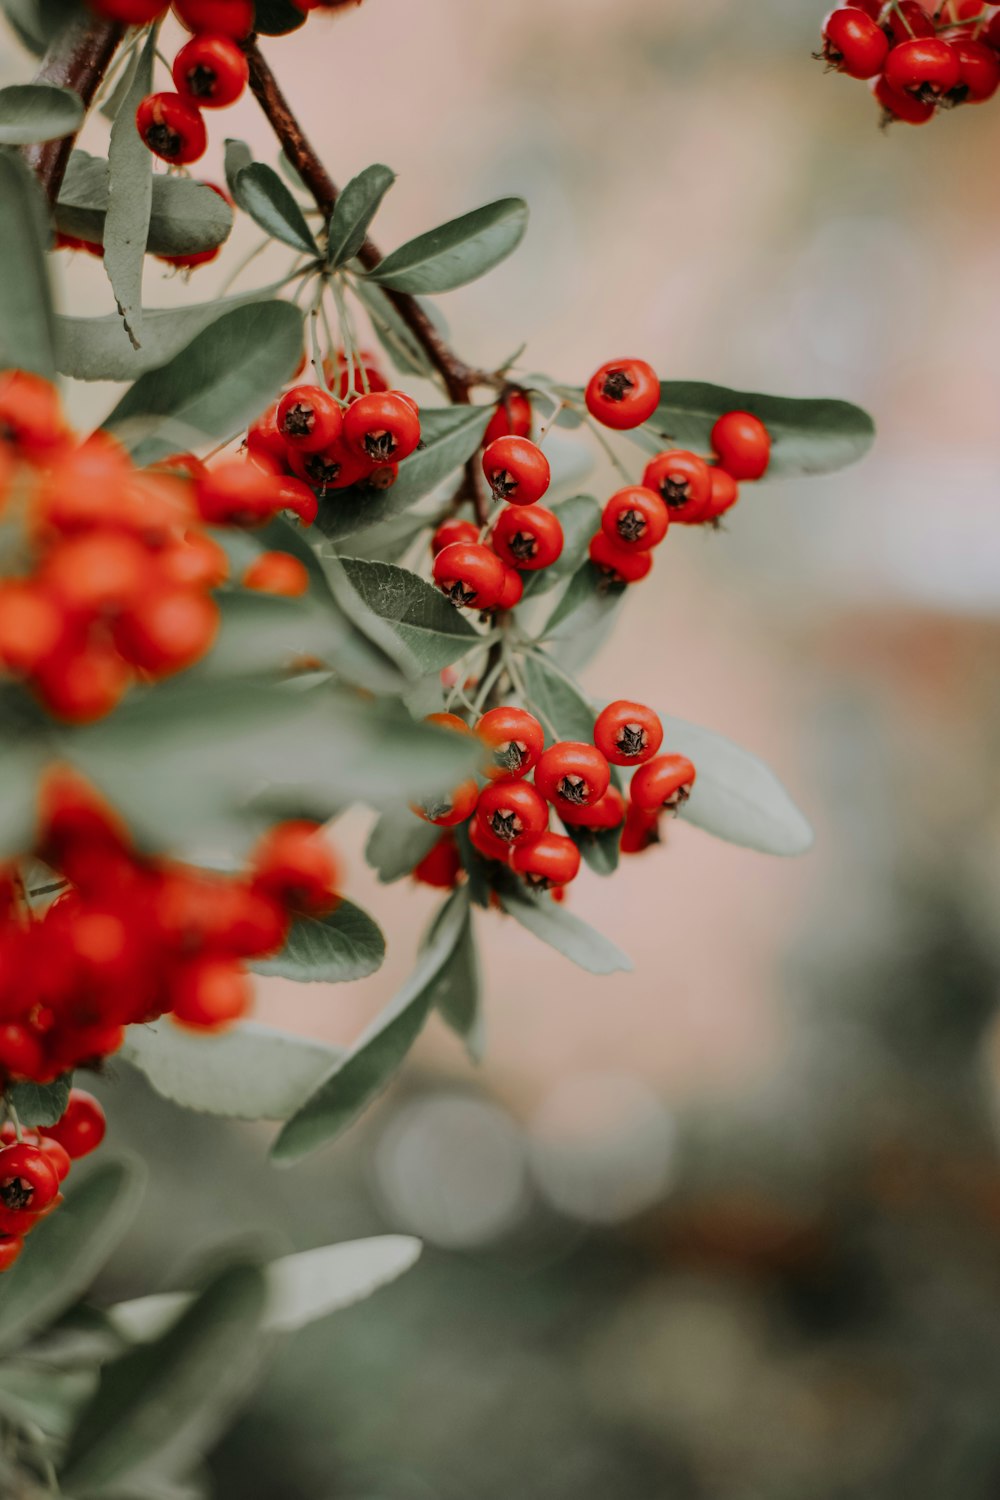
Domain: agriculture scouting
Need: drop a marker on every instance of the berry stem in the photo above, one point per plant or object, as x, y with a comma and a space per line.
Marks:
77, 59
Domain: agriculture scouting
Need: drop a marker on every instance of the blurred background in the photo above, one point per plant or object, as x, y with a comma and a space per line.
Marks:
726, 1228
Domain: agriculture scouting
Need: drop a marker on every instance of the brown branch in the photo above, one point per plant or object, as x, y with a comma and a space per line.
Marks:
459, 378
77, 59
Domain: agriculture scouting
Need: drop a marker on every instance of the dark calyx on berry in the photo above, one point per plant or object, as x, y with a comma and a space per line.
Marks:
322, 471
299, 420
461, 593
675, 490
17, 1193
380, 446
677, 799
510, 756
524, 545
575, 789
503, 484
506, 825
631, 525
617, 384
164, 141
201, 81
631, 739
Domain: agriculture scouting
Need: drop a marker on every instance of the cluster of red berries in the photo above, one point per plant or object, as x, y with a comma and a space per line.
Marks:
508, 818
918, 55
128, 938
35, 1163
115, 569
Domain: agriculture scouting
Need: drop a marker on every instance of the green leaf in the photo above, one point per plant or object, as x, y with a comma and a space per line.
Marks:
130, 198
260, 192
380, 1049
807, 436
345, 944
40, 1103
736, 796
100, 349
554, 925
164, 1402
68, 1249
27, 334
249, 1072
355, 208
562, 703
398, 842
237, 156
433, 632
219, 383
588, 602
600, 847
456, 252
458, 992
391, 330
580, 518
37, 112
277, 17
449, 436
37, 23
185, 216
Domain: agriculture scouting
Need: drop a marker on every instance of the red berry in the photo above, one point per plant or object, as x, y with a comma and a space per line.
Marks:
100, 572
609, 812
233, 18
193, 561
297, 496
925, 66
82, 683
725, 493
683, 482
516, 470
82, 1126
171, 128
308, 418
635, 519
908, 19
440, 867
621, 565
168, 631
31, 626
485, 842
627, 734
56, 1155
979, 72
528, 539
512, 418
208, 993
20, 1051
623, 393
470, 575
367, 375
512, 811
552, 860
742, 444
30, 415
333, 468
854, 43
28, 1180
382, 427
663, 783
453, 531
515, 740
872, 8
11, 1246
277, 573
265, 439
571, 775
210, 72
235, 493
447, 812
641, 830
130, 12
901, 106
513, 590
293, 864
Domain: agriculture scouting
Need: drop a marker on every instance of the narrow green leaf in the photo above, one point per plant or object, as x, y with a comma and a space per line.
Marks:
458, 994
433, 632
356, 207
162, 1403
398, 842
249, 1072
185, 216
574, 939
219, 383
37, 112
379, 1050
562, 703
27, 334
68, 1249
346, 944
130, 199
40, 1103
237, 156
260, 192
449, 435
456, 252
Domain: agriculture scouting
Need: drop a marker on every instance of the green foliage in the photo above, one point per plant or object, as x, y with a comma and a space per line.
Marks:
430, 630
260, 192
456, 252
571, 937
184, 216
40, 1103
130, 197
398, 841
27, 331
344, 945
37, 112
357, 205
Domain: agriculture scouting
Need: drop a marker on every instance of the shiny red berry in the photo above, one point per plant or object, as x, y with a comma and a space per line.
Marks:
277, 573
234, 493
210, 72
623, 393
627, 734
528, 539
725, 493
742, 444
440, 867
641, 830
470, 575
854, 44
926, 67
28, 1180
513, 590
516, 470
665, 782
571, 774
11, 1246
485, 842
635, 519
512, 418
551, 860
82, 1127
382, 427
900, 105
453, 531
172, 128
906, 20
979, 72
309, 418
609, 812
515, 741
619, 564
233, 18
513, 811
333, 468
683, 482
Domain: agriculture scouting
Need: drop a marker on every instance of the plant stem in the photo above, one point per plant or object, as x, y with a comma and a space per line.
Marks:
78, 59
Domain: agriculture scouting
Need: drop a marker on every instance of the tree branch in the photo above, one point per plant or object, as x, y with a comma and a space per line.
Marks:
77, 59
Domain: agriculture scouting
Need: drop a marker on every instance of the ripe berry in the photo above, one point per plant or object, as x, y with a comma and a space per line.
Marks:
130, 12
901, 106
925, 66
609, 812
512, 418
571, 774
516, 470
665, 782
57, 1156
21, 1053
854, 43
367, 375
233, 18
81, 683
742, 444
31, 626
979, 72
486, 842
171, 128
277, 573
234, 493
297, 496
528, 539
470, 575
294, 865
641, 830
168, 631
725, 493
441, 866
308, 418
684, 483
447, 812
453, 531
208, 993
28, 1181
193, 561
620, 565
627, 734
333, 468
97, 573
552, 860
210, 72
513, 811
635, 519
623, 393
82, 1126
906, 20
515, 740
11, 1246
382, 427
264, 438
513, 590
31, 417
